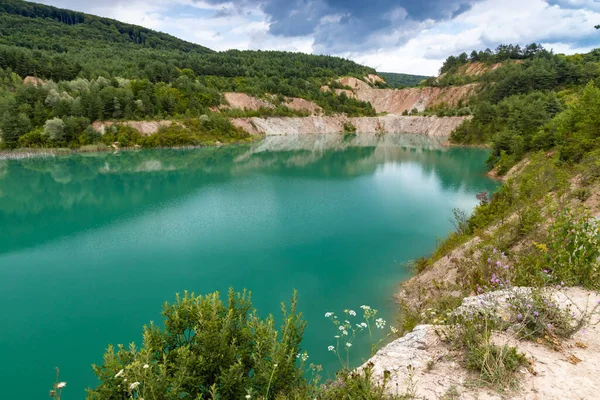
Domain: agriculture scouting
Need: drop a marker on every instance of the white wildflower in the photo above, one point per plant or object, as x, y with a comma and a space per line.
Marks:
331, 348
347, 322
61, 385
393, 329
352, 312
119, 373
363, 324
275, 365
305, 356
146, 366
328, 314
380, 323
345, 332
134, 385
337, 336
348, 344
365, 307
341, 328
248, 396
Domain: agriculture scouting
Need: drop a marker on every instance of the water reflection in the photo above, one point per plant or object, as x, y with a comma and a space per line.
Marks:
105, 239
48, 198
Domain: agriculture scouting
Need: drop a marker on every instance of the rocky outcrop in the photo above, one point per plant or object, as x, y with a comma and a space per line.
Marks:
397, 101
428, 126
245, 102
373, 79
146, 128
32, 80
423, 363
354, 83
302, 105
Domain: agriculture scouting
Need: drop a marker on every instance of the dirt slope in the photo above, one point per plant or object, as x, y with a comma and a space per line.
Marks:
245, 102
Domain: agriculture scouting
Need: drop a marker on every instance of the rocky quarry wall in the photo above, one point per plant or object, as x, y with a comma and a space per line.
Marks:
429, 126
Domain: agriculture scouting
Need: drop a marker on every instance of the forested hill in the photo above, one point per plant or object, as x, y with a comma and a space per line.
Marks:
397, 81
30, 24
57, 44
98, 69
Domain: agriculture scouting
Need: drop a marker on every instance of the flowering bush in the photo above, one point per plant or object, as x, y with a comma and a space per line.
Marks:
347, 332
536, 315
56, 392
573, 249
208, 349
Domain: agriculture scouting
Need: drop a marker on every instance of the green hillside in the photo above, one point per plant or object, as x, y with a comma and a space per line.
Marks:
396, 80
102, 69
61, 44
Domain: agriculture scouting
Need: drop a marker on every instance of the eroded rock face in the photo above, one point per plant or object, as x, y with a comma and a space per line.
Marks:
145, 128
243, 101
397, 101
303, 105
429, 126
246, 102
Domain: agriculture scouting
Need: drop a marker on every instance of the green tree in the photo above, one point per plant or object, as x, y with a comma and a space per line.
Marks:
208, 348
55, 129
12, 126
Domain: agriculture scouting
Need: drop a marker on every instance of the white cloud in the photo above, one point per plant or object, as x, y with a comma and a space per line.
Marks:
488, 24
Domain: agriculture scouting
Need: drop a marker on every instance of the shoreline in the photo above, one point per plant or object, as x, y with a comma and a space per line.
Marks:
31, 153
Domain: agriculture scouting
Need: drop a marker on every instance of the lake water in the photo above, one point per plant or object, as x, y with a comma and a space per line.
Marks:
91, 246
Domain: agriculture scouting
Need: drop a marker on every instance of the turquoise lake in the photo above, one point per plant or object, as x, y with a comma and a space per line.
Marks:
92, 245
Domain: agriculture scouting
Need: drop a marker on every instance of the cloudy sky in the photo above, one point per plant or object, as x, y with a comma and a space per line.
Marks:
412, 36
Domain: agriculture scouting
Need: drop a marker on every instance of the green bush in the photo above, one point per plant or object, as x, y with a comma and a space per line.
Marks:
536, 315
207, 348
360, 385
349, 127
34, 139
572, 249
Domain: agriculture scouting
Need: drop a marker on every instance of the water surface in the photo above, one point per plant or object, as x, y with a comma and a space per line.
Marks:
92, 245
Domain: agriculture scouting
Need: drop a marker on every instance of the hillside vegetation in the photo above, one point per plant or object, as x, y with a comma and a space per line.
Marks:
539, 112
99, 69
398, 81
527, 101
536, 236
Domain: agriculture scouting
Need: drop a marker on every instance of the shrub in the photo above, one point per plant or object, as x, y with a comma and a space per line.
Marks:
89, 136
207, 348
34, 139
349, 127
573, 248
55, 129
360, 385
496, 365
536, 315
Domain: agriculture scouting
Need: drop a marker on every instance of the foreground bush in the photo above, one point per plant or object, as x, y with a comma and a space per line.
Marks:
208, 349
